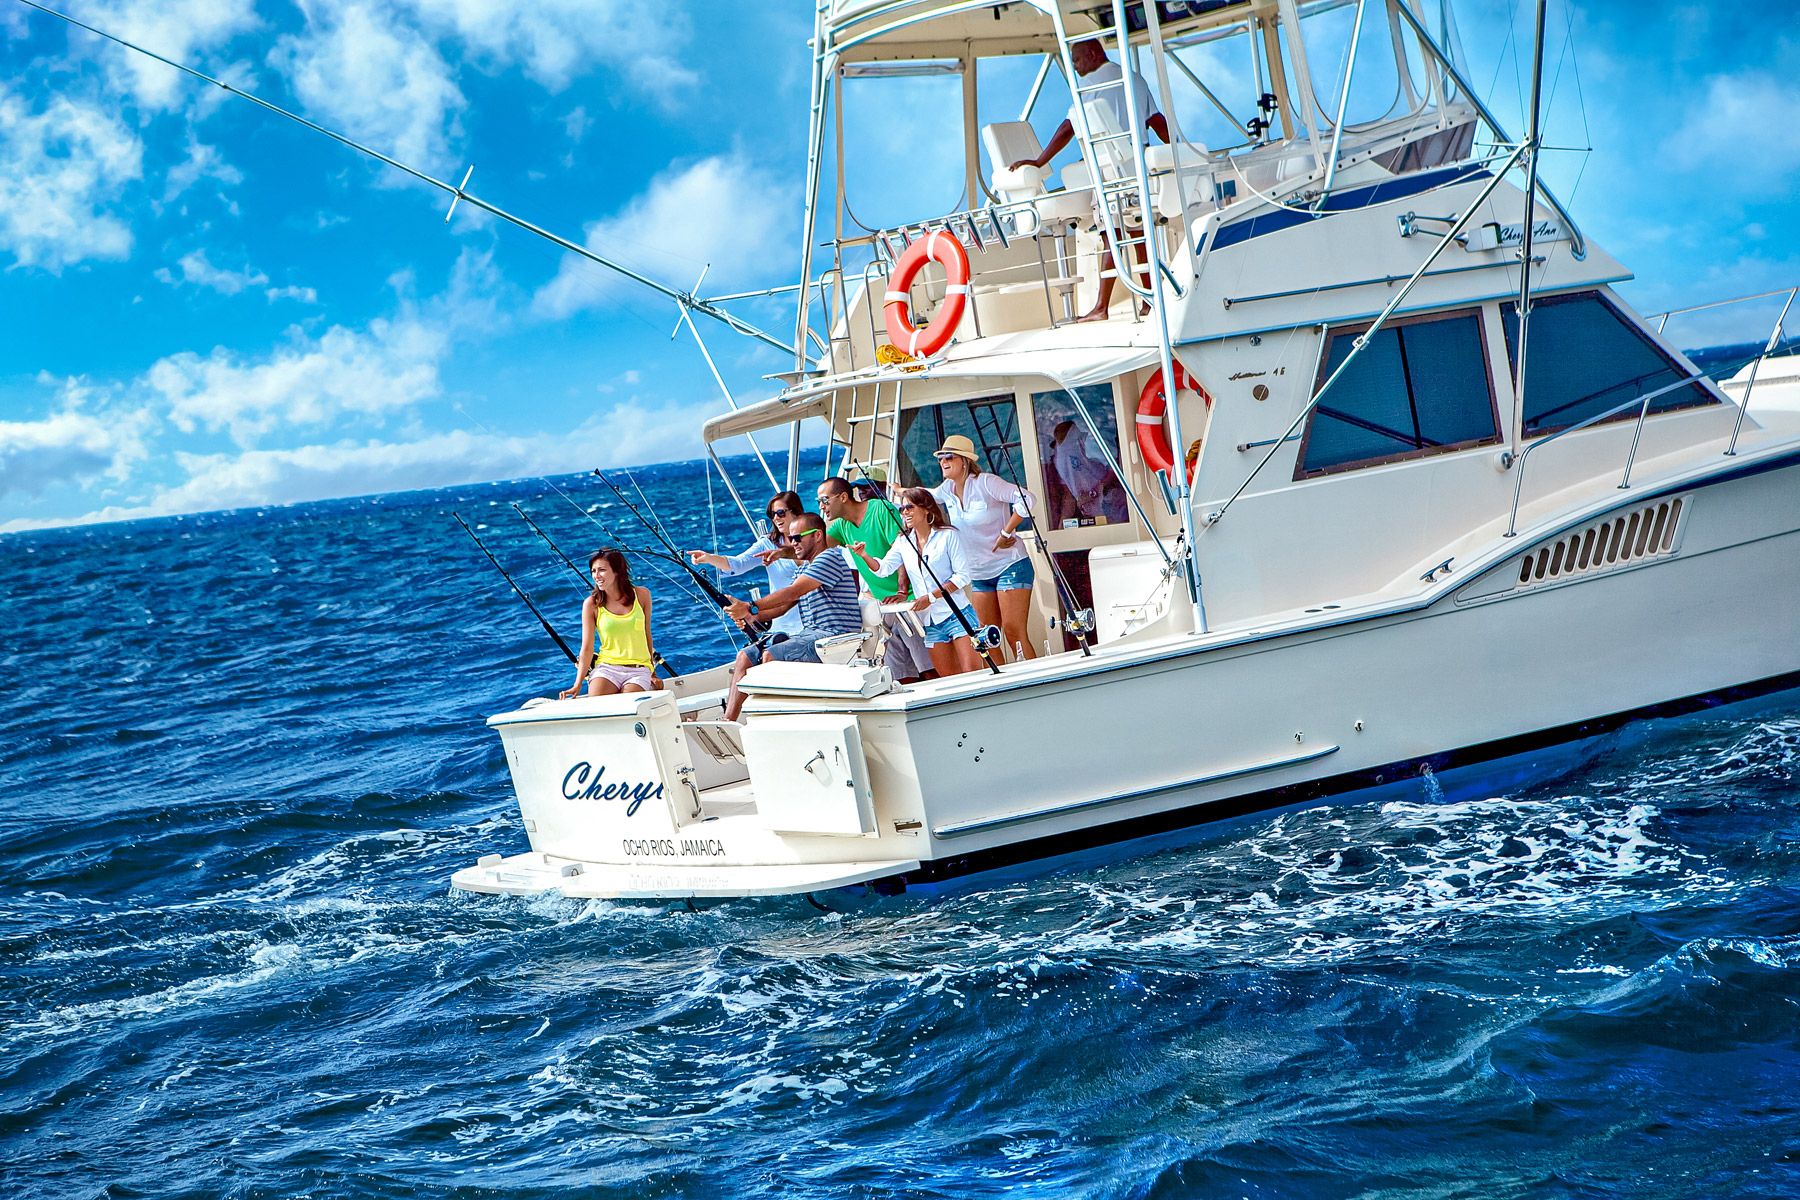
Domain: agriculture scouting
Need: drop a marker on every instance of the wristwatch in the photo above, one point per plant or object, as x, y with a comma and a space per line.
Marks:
753, 611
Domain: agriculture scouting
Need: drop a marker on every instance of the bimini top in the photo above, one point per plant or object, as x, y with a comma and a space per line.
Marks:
1019, 356
903, 30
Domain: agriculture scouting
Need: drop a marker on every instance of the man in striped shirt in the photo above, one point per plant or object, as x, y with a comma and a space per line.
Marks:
825, 593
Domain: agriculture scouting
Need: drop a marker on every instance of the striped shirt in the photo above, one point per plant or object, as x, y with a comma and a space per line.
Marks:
831, 607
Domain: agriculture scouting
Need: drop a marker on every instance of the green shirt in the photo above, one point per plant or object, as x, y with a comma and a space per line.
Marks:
879, 530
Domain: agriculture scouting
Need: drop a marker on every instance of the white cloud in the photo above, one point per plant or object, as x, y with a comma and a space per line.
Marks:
202, 162
555, 40
182, 30
626, 435
720, 210
195, 269
69, 446
61, 169
1750, 108
379, 83
393, 366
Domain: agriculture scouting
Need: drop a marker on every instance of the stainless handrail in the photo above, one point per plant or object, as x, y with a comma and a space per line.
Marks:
1512, 520
1676, 312
1768, 349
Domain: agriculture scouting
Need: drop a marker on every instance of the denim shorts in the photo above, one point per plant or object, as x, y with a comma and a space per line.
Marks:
1016, 576
949, 629
797, 647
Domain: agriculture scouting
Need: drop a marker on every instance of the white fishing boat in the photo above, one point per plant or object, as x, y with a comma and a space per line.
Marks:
1424, 529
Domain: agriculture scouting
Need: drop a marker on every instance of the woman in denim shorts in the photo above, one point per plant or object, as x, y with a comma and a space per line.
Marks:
987, 512
931, 553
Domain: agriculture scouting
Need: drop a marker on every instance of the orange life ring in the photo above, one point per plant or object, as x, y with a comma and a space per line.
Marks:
947, 252
1152, 401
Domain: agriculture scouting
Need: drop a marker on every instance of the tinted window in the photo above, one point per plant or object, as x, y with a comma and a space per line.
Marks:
1586, 358
992, 423
1080, 488
1420, 387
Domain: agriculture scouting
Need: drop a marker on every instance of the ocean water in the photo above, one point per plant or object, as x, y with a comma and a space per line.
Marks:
241, 755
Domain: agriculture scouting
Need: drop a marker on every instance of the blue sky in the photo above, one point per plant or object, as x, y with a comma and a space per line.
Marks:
205, 307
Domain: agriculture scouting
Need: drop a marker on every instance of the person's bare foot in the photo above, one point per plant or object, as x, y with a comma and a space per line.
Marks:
1097, 314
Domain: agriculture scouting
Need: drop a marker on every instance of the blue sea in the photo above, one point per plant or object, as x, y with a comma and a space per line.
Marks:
241, 755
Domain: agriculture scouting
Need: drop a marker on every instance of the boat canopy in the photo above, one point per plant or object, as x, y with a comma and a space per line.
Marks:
908, 30
1023, 357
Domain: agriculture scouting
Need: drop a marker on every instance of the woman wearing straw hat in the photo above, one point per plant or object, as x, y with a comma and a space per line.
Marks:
987, 511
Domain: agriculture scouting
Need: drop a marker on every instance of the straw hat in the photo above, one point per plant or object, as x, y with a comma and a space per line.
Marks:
956, 443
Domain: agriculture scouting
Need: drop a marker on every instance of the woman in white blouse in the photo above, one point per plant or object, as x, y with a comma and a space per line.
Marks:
932, 555
986, 511
772, 552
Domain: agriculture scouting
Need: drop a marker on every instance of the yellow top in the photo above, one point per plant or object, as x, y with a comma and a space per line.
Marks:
624, 639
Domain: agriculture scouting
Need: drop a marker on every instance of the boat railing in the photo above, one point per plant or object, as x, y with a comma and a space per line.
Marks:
1642, 402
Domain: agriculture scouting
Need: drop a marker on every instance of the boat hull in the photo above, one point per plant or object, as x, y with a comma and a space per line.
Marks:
1056, 757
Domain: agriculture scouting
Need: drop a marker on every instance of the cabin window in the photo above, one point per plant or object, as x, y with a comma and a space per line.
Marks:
1080, 488
1585, 358
991, 422
1420, 387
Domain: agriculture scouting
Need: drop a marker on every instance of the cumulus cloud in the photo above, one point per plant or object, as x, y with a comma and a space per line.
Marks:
202, 162
196, 269
306, 383
719, 210
61, 168
555, 40
183, 30
1756, 101
626, 435
378, 81
69, 446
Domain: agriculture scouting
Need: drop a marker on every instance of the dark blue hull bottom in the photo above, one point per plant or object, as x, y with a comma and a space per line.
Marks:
1448, 775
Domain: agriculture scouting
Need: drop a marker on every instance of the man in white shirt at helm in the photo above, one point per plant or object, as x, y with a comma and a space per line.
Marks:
1094, 68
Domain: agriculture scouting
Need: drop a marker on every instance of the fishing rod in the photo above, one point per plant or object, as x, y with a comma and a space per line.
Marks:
980, 639
656, 655
1076, 620
760, 634
684, 300
555, 636
649, 507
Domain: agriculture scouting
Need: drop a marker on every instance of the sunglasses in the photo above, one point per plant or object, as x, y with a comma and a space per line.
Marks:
908, 507
778, 512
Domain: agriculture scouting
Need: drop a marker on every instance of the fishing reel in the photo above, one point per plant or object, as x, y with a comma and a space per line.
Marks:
1080, 622
987, 638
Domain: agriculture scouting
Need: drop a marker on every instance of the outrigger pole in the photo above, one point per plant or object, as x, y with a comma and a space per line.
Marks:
656, 655
686, 301
554, 636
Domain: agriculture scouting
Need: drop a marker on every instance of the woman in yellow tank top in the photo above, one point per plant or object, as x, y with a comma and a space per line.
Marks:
616, 616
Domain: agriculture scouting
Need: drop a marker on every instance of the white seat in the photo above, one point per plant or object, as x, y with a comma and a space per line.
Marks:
1196, 171
1008, 142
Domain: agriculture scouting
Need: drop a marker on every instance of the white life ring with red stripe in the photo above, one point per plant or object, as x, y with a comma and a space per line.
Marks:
934, 335
1152, 439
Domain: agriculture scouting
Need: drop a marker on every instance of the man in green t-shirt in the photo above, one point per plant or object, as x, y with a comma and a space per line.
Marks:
876, 524
850, 520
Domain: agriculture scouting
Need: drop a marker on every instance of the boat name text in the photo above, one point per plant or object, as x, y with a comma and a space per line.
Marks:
583, 782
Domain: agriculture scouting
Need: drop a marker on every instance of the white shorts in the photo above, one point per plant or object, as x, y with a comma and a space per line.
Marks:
621, 676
